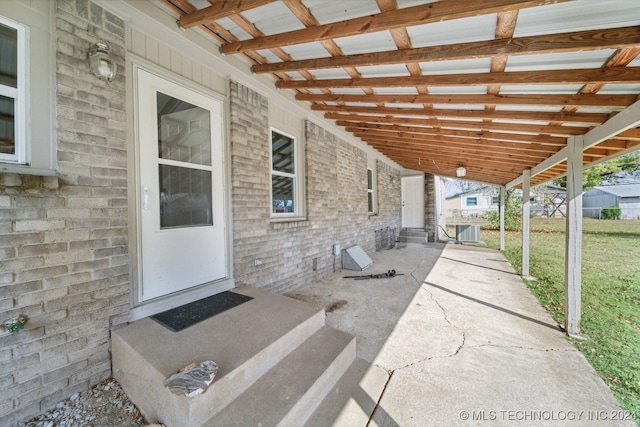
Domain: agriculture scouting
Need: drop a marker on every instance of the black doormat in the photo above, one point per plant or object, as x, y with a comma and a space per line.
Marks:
182, 317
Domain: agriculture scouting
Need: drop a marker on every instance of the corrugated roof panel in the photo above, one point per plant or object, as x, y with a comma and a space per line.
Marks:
403, 105
273, 18
458, 90
347, 91
395, 91
559, 61
402, 4
392, 70
234, 29
597, 110
458, 106
295, 75
477, 65
327, 11
541, 89
269, 55
306, 51
536, 108
380, 41
577, 15
475, 28
329, 73
614, 88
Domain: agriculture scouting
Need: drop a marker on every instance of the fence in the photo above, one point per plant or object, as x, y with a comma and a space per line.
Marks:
475, 216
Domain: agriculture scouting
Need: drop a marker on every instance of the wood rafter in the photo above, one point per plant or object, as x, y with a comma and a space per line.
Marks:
564, 77
616, 38
430, 107
389, 20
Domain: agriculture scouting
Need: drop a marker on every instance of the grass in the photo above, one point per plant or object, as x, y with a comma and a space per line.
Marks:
610, 293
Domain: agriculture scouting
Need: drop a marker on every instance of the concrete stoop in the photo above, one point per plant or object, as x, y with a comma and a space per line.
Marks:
277, 362
413, 235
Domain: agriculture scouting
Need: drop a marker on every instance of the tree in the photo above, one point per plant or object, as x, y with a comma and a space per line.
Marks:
512, 212
606, 171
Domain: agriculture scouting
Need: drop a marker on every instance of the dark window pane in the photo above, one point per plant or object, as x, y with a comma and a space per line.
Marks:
7, 126
184, 132
282, 188
282, 151
369, 179
370, 201
9, 55
185, 197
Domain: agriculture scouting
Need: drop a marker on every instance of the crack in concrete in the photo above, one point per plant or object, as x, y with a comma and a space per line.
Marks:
379, 402
568, 350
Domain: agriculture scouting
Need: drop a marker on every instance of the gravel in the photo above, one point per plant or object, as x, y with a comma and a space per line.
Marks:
104, 405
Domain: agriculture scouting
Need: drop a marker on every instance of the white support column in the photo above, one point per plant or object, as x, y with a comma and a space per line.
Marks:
526, 218
573, 248
503, 203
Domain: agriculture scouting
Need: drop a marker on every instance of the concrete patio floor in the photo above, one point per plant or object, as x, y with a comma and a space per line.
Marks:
463, 342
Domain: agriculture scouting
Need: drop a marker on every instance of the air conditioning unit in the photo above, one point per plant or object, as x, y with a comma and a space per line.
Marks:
468, 233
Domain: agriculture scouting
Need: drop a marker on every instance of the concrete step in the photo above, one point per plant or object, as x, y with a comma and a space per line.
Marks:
353, 399
290, 392
245, 342
413, 235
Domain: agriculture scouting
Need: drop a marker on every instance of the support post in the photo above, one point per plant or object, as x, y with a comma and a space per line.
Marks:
526, 218
503, 203
573, 236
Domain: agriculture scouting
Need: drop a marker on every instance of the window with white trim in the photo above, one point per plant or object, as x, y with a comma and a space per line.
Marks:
27, 88
472, 201
12, 92
284, 175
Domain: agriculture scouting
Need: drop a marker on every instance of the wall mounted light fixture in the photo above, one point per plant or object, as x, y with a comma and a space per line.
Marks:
101, 63
461, 171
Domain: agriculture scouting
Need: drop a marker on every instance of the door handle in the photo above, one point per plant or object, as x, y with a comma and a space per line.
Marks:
145, 199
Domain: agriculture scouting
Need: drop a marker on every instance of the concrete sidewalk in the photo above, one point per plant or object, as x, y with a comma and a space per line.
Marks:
464, 343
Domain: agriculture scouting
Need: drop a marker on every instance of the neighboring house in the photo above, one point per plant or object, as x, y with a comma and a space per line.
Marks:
254, 188
472, 203
626, 197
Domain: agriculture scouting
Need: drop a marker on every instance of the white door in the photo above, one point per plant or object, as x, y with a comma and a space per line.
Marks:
181, 182
413, 201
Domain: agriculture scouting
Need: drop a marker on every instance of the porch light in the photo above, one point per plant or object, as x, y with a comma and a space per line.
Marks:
101, 63
461, 171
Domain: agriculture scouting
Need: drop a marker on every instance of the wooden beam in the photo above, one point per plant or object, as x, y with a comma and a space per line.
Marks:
534, 143
219, 10
611, 38
357, 119
587, 100
564, 77
588, 118
394, 19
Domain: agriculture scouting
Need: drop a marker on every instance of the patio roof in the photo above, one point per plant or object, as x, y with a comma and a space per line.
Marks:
496, 86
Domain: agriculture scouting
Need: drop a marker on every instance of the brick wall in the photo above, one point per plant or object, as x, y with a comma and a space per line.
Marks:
336, 201
63, 239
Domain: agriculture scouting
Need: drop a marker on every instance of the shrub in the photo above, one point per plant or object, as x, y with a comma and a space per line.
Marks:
611, 212
512, 214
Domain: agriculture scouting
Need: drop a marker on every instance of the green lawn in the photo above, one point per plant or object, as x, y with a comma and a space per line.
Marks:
610, 293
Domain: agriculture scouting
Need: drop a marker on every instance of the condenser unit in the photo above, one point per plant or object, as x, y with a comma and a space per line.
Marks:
468, 233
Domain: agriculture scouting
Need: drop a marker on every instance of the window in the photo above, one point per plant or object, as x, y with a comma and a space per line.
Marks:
12, 92
472, 201
370, 190
27, 88
284, 175
495, 200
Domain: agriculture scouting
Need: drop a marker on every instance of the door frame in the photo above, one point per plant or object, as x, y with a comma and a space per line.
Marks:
138, 308
403, 181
